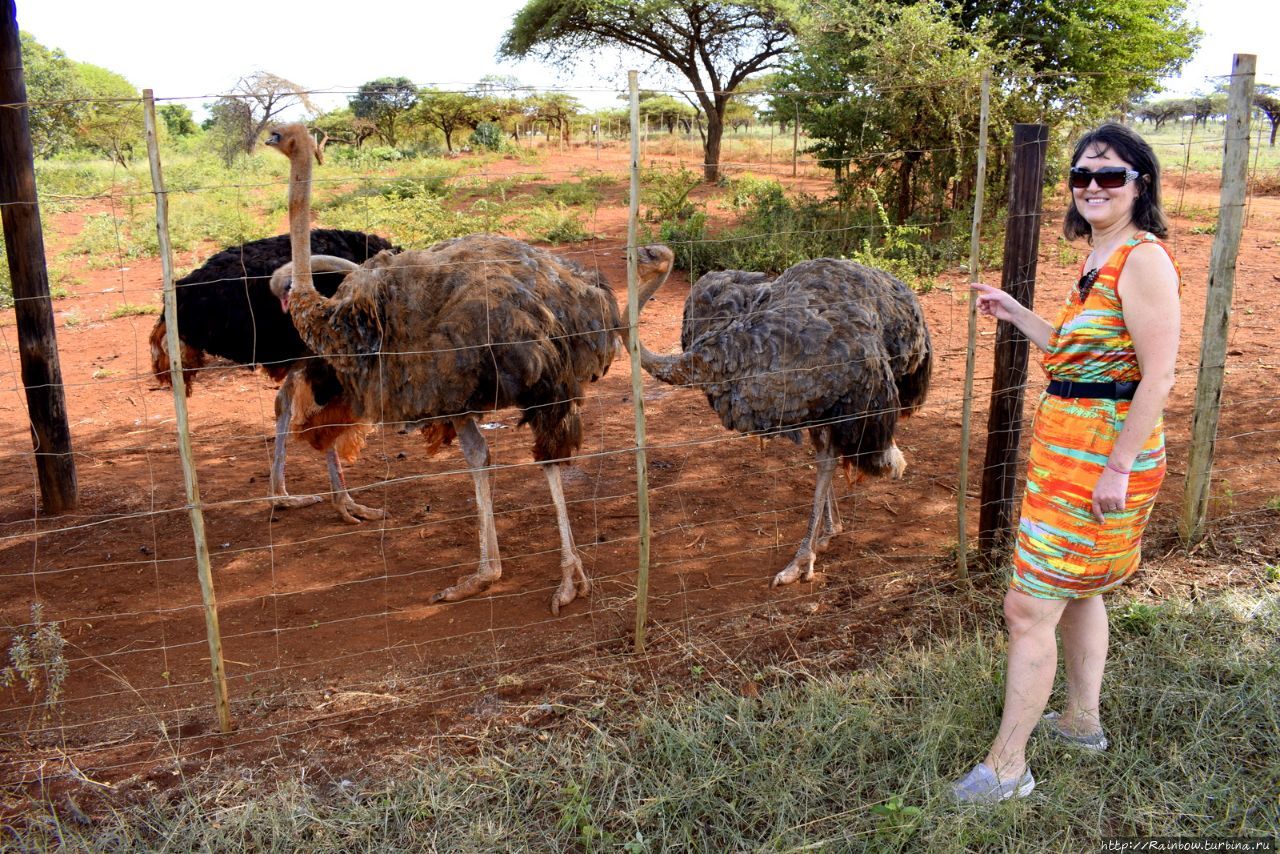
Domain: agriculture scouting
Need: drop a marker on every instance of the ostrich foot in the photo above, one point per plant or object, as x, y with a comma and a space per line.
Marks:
824, 542
800, 569
468, 585
285, 501
353, 513
574, 584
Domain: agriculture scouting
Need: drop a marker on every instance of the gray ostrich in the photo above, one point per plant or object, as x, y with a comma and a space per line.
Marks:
830, 347
432, 338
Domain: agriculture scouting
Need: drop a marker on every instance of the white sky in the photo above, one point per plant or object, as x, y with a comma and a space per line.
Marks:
197, 50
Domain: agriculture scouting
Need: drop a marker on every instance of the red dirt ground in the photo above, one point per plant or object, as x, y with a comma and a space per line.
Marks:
333, 652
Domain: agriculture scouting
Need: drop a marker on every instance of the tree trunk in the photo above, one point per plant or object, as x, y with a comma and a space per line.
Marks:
715, 133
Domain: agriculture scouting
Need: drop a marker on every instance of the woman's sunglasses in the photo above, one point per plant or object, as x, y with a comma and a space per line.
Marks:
1108, 177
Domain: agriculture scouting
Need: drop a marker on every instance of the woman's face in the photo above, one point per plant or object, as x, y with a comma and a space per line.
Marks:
1103, 208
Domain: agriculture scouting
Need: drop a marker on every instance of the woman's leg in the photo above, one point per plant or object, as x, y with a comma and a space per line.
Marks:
1033, 663
1084, 649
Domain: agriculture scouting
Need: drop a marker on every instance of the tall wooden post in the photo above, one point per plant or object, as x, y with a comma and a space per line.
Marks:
204, 569
1222, 279
637, 380
975, 258
997, 515
24, 246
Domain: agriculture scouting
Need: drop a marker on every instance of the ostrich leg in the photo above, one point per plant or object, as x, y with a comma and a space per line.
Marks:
476, 453
573, 582
801, 566
346, 506
831, 520
280, 497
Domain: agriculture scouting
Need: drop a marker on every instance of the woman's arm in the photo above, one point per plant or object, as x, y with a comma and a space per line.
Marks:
1148, 290
994, 302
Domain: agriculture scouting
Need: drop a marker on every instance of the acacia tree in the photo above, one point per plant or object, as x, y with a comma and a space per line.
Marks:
888, 97
715, 46
448, 111
1089, 58
112, 122
384, 102
56, 95
1267, 99
253, 103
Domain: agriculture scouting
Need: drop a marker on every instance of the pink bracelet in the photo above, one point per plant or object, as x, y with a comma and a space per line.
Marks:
1121, 471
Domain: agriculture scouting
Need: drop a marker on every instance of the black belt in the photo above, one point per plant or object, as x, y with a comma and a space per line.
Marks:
1106, 391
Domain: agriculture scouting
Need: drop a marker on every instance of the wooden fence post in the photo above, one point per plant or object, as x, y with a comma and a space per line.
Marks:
637, 380
203, 568
966, 416
32, 304
1222, 277
997, 514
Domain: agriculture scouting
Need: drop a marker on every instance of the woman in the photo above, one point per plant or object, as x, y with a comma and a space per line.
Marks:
1097, 451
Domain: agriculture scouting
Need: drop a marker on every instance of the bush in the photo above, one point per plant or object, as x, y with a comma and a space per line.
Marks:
488, 136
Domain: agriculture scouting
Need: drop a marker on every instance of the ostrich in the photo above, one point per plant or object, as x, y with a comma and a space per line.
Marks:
830, 346
432, 338
226, 309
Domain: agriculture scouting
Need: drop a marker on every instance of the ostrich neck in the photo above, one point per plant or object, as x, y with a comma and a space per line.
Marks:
668, 369
300, 226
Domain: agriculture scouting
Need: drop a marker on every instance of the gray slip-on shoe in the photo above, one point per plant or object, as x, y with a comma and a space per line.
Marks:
1051, 724
982, 786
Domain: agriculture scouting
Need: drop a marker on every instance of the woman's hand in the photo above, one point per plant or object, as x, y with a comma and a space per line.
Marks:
994, 302
1110, 494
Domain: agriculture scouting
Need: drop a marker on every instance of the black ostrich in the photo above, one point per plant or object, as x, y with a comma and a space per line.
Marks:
436, 337
829, 346
226, 309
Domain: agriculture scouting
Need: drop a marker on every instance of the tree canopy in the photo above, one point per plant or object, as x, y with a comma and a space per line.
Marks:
715, 46
384, 102
56, 94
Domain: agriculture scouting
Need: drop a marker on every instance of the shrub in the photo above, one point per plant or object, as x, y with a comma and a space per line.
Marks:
488, 136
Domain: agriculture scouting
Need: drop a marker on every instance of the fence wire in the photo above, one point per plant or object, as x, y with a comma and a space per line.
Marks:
325, 622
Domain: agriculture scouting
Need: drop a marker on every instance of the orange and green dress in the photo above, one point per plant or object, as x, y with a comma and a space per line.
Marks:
1062, 551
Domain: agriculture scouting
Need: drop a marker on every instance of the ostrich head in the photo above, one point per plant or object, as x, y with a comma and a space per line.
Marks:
655, 263
282, 278
288, 139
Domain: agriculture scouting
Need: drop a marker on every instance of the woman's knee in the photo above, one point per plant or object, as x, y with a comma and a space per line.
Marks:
1024, 614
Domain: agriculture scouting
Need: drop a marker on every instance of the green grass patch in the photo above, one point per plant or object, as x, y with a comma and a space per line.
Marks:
554, 223
131, 310
838, 762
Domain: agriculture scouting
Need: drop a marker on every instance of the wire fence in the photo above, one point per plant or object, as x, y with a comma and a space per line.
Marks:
329, 630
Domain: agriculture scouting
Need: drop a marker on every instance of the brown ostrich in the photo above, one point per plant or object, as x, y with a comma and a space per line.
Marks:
433, 338
830, 347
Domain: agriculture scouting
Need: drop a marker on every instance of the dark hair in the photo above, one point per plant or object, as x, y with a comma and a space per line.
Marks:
1135, 151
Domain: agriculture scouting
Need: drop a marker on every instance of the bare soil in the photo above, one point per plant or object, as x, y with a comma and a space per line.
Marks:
334, 655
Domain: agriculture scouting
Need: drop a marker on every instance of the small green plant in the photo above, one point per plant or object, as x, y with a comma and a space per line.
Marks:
555, 224
1271, 572
36, 659
1273, 503
1068, 255
1138, 618
132, 310
667, 194
576, 817
895, 821
73, 318
1211, 228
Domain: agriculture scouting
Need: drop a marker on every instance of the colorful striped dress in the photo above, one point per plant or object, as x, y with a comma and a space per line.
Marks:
1062, 552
